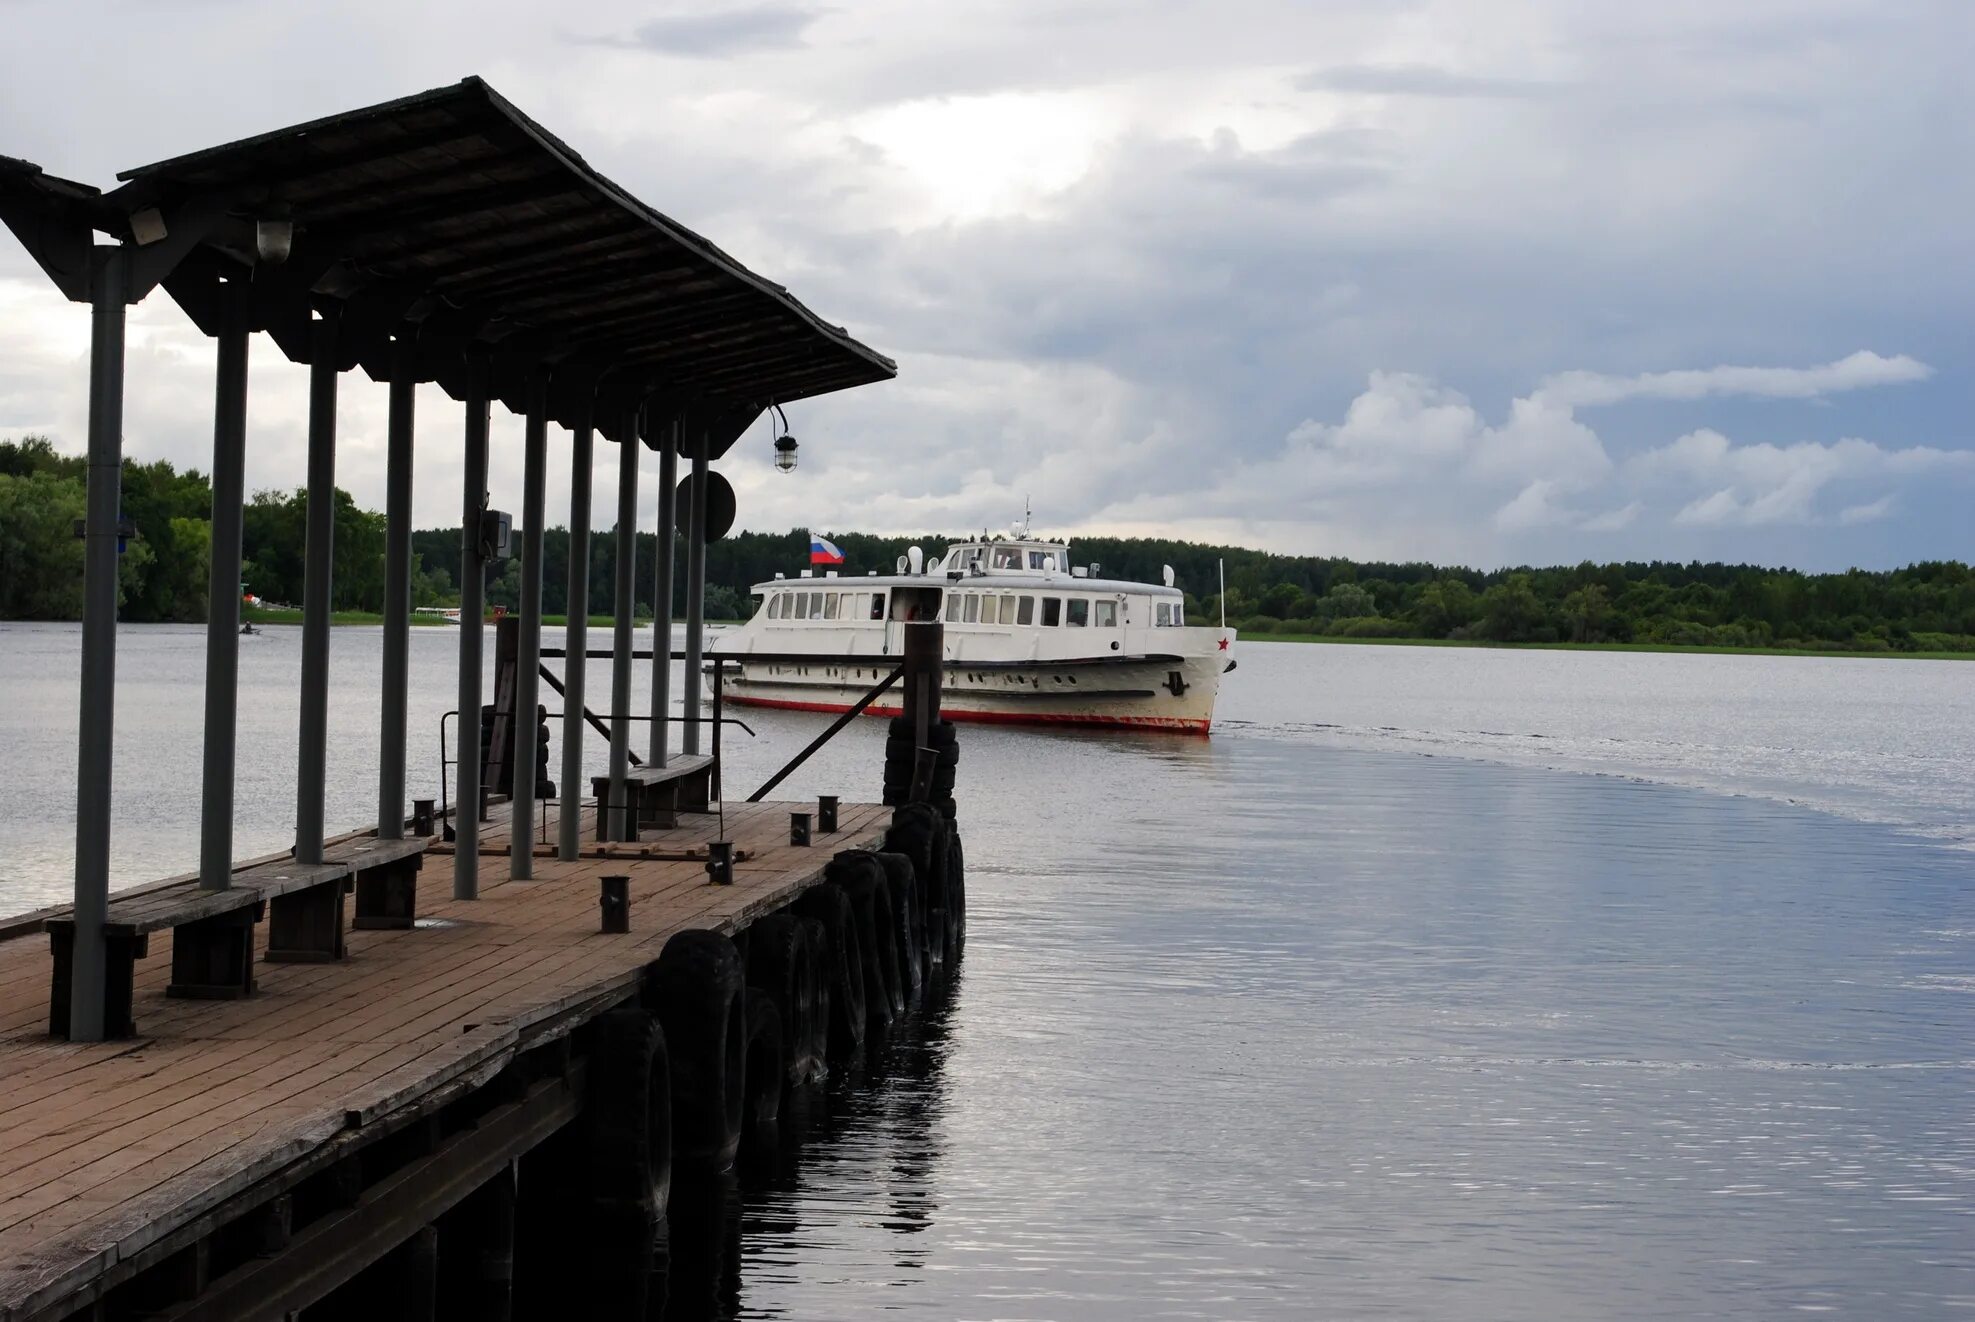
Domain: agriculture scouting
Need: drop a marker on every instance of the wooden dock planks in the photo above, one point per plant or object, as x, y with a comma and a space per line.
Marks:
105, 1148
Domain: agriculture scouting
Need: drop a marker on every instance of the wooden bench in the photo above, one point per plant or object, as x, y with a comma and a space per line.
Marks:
212, 946
386, 877
683, 784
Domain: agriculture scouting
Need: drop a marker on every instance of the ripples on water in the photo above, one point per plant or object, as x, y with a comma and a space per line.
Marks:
1294, 1022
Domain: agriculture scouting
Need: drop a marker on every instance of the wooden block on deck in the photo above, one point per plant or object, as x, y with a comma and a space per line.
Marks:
213, 959
120, 955
306, 921
386, 875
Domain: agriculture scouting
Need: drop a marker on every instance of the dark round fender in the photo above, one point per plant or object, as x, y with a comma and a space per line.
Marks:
941, 734
915, 832
767, 1077
627, 1112
922, 833
870, 902
908, 892
697, 985
842, 962
816, 1049
956, 895
779, 970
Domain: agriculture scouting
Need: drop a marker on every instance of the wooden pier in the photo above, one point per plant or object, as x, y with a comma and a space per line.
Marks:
122, 1156
327, 1084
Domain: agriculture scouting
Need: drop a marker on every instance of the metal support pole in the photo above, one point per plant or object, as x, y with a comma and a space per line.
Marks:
318, 568
622, 823
924, 644
528, 660
110, 274
397, 588
223, 590
695, 595
570, 828
661, 650
472, 607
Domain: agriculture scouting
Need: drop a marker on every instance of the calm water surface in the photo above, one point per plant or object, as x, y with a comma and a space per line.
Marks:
1374, 1004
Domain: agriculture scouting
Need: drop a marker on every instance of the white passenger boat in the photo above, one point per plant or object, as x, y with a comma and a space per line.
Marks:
1029, 638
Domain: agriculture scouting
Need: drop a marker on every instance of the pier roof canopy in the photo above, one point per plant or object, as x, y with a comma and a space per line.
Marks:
452, 213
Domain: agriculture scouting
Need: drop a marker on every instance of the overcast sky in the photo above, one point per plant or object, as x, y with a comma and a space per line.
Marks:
1495, 281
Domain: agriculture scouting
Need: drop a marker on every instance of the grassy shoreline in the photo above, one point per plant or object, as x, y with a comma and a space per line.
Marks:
1604, 647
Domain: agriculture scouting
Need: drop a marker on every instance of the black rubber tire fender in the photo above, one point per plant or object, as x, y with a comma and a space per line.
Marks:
627, 1112
779, 970
830, 906
698, 985
915, 832
956, 896
870, 900
902, 727
944, 779
816, 1048
766, 1079
909, 913
903, 752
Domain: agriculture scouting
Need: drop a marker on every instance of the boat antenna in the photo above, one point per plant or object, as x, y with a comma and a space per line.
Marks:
1028, 516
1224, 594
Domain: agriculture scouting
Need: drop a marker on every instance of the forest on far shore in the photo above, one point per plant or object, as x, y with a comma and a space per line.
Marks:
1927, 607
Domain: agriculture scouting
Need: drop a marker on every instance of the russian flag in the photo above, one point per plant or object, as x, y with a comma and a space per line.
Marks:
823, 551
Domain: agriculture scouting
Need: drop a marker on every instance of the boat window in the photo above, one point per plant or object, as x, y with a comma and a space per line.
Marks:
1079, 614
1179, 614
952, 608
1107, 615
830, 605
972, 610
1162, 615
1027, 613
1007, 610
1007, 557
775, 607
1038, 560
815, 605
877, 605
1052, 612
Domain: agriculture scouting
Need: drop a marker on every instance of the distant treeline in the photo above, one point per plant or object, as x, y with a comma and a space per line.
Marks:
1923, 607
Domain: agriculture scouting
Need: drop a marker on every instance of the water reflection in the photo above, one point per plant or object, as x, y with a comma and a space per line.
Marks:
875, 1126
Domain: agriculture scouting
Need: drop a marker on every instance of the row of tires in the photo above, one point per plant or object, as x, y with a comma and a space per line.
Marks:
695, 1074
902, 763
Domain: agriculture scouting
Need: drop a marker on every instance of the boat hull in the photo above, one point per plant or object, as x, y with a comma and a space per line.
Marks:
1174, 695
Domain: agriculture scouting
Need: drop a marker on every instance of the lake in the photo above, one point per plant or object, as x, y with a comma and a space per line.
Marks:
1438, 982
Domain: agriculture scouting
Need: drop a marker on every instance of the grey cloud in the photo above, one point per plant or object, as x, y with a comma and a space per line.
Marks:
1420, 80
722, 32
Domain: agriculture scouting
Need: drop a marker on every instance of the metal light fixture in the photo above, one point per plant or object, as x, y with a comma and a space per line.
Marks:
785, 446
273, 238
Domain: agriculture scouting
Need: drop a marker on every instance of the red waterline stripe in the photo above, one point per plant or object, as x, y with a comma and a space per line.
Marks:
1172, 723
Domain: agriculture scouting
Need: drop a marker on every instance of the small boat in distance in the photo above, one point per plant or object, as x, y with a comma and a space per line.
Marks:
1029, 639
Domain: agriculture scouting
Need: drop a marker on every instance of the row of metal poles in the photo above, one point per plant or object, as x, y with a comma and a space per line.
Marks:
98, 671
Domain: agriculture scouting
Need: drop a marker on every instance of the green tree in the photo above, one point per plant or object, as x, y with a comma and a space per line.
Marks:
1443, 606
193, 541
1346, 601
1510, 612
1587, 614
40, 555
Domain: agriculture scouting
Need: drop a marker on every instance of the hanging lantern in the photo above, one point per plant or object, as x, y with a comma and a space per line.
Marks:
784, 443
